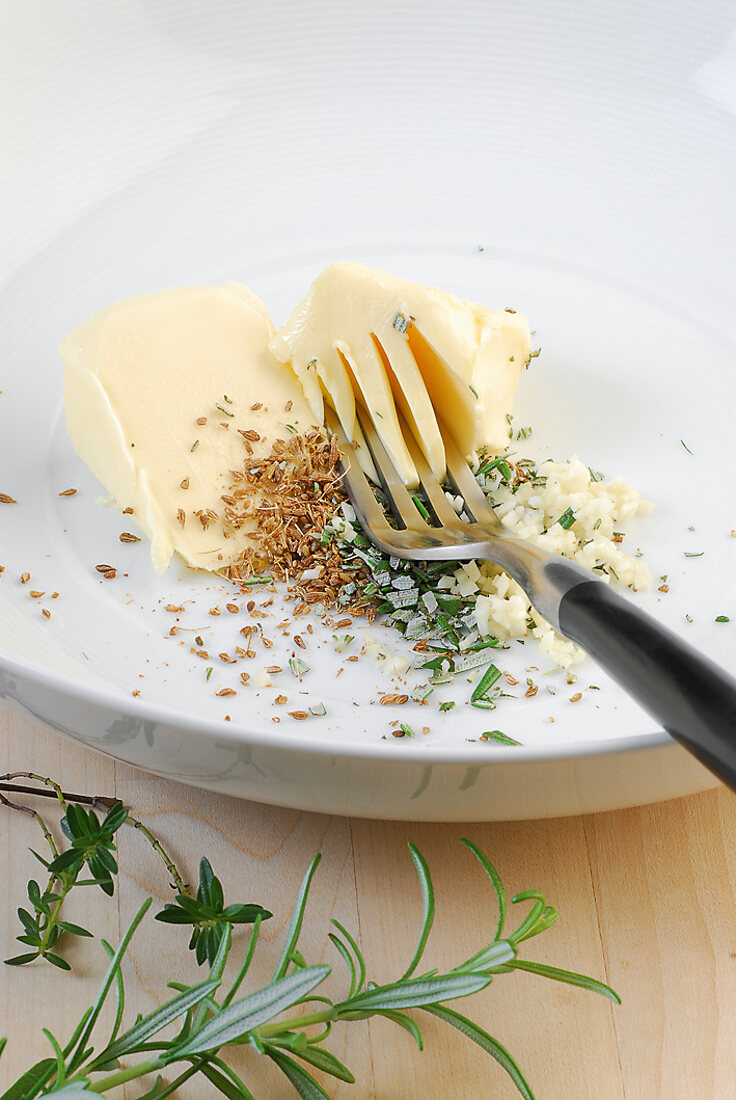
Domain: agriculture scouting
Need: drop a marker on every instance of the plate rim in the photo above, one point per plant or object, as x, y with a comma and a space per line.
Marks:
235, 733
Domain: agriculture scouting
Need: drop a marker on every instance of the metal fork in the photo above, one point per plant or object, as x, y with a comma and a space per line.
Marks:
688, 694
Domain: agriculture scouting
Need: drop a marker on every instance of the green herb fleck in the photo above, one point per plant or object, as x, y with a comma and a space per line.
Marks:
208, 673
686, 446
567, 519
194, 446
447, 705
484, 685
473, 391
400, 322
420, 506
298, 667
722, 619
497, 735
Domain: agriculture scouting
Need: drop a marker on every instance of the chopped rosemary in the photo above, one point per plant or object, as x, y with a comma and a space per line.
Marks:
686, 446
400, 322
484, 685
499, 736
194, 446
447, 705
298, 667
499, 463
722, 619
567, 519
318, 710
473, 391
208, 674
420, 506
222, 409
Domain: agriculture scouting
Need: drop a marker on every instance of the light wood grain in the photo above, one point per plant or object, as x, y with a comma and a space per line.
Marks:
646, 897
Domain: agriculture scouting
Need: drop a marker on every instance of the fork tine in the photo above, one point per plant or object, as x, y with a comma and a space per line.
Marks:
438, 502
468, 488
367, 508
403, 507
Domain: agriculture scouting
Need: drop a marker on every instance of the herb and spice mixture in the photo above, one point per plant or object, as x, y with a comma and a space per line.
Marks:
207, 425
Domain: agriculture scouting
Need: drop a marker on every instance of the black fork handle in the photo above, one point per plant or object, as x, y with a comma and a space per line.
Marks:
688, 694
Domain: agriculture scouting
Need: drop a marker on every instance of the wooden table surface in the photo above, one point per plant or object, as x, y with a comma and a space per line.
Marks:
646, 899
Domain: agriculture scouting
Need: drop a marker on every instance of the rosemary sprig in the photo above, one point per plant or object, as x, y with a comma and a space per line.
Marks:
271, 1021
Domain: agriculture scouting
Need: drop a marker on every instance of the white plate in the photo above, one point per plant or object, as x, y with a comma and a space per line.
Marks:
573, 166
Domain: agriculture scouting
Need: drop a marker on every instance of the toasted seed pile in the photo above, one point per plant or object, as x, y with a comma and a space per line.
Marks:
290, 497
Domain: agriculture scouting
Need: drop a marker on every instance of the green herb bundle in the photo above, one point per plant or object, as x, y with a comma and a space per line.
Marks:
287, 1021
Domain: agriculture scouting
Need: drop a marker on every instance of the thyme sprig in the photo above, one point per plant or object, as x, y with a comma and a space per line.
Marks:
279, 1020
92, 843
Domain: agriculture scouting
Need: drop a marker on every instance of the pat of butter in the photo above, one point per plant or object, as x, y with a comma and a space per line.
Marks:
157, 388
389, 343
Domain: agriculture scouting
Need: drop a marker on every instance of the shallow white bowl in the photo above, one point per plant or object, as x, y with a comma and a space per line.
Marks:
574, 163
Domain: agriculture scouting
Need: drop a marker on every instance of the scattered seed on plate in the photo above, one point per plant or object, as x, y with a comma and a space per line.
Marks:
24, 578
107, 571
226, 691
128, 536
67, 492
300, 715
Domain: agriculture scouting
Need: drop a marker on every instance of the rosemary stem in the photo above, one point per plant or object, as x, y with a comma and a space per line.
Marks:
119, 1077
299, 1022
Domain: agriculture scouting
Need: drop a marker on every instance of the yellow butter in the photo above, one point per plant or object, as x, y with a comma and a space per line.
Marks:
140, 373
361, 333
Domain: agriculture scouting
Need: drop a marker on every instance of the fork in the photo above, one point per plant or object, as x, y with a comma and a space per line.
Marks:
688, 694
